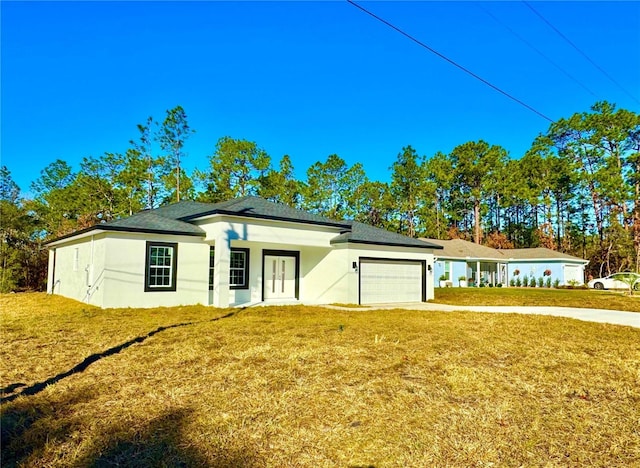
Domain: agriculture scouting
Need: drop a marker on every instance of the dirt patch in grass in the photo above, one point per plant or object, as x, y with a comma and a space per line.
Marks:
610, 300
310, 386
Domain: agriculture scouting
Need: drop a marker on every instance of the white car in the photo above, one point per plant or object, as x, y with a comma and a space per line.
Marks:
616, 281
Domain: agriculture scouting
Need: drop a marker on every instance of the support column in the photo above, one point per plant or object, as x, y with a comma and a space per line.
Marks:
477, 274
221, 272
431, 272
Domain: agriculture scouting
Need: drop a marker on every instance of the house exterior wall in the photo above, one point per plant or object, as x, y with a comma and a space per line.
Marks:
51, 286
458, 269
123, 281
326, 272
231, 229
535, 269
318, 261
439, 269
324, 275
319, 281
562, 270
76, 271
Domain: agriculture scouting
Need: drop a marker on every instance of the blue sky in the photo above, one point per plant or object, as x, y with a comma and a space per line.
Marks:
307, 79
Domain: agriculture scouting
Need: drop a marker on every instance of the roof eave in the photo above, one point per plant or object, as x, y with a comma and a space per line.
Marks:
105, 228
392, 244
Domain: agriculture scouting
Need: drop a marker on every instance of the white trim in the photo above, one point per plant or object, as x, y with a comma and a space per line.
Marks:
257, 219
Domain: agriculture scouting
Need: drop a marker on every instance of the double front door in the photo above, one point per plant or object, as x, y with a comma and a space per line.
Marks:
279, 277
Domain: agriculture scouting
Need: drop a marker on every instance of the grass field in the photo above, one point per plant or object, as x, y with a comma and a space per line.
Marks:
303, 386
612, 300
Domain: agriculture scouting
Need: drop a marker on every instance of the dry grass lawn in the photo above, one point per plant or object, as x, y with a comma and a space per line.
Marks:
303, 386
611, 300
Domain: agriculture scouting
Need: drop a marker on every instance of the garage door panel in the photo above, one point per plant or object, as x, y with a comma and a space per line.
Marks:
385, 281
573, 273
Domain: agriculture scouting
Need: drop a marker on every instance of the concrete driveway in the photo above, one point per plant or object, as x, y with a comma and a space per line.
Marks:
615, 317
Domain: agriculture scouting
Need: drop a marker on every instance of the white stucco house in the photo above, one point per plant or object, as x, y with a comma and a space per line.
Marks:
236, 253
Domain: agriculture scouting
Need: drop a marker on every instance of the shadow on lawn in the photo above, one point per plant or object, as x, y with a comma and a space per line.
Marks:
39, 386
162, 442
35, 432
27, 426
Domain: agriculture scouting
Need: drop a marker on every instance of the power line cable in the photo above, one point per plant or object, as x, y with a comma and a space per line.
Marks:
566, 73
580, 51
452, 62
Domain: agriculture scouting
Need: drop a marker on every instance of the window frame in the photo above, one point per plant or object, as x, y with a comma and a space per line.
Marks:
244, 269
448, 264
172, 271
212, 264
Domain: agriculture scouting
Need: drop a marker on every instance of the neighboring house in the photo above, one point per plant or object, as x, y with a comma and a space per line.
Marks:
475, 262
484, 265
235, 253
534, 262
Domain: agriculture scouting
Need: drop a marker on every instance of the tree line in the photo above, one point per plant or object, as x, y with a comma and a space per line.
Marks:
576, 190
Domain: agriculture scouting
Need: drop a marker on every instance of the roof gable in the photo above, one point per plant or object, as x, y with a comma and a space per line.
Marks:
257, 207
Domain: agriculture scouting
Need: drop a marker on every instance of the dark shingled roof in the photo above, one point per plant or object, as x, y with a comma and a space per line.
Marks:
177, 219
152, 221
257, 207
361, 233
181, 210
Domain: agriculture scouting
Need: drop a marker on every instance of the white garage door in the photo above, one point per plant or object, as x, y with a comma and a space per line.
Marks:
573, 274
391, 281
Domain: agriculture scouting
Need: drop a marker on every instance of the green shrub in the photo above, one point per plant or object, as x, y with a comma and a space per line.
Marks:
540, 282
548, 282
512, 283
556, 283
525, 281
518, 282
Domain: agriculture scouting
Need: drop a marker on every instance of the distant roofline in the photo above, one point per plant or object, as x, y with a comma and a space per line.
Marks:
549, 259
481, 259
504, 255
